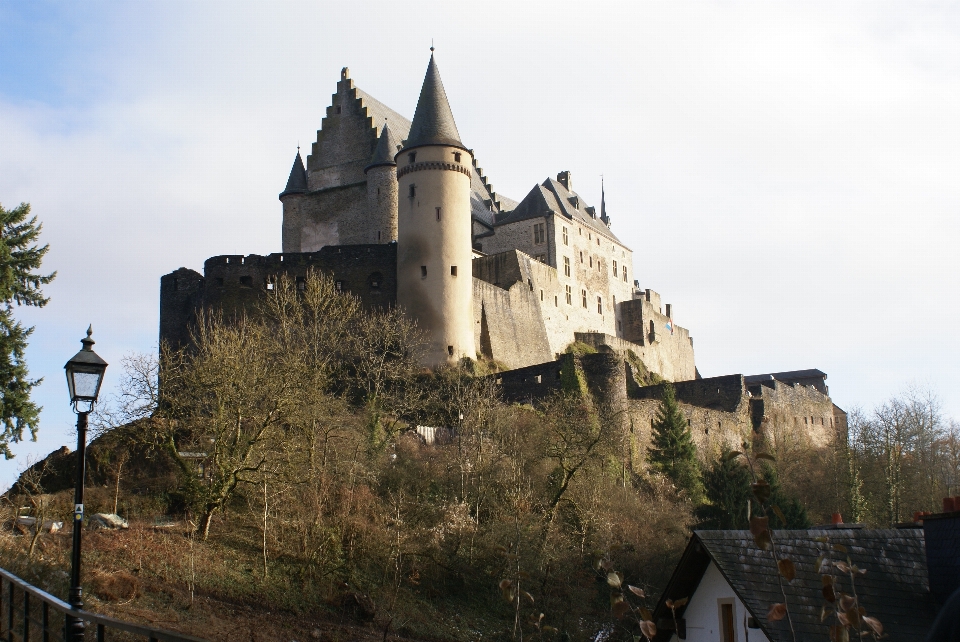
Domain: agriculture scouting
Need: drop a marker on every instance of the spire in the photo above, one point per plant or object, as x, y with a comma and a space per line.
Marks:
297, 183
603, 204
386, 149
433, 121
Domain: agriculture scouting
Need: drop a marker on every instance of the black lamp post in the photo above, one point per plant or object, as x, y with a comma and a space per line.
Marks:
84, 376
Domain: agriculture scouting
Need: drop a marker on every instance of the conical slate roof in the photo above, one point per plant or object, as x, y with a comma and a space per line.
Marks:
386, 149
433, 121
297, 183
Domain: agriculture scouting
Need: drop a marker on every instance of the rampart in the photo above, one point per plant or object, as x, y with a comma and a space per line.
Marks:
234, 284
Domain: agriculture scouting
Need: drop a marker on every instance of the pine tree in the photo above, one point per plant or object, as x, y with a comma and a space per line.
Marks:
727, 488
673, 452
788, 504
20, 257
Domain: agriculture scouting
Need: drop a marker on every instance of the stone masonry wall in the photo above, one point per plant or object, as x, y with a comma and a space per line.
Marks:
508, 326
234, 284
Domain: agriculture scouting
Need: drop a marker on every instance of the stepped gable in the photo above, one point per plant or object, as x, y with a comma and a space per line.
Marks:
552, 196
386, 149
433, 122
297, 182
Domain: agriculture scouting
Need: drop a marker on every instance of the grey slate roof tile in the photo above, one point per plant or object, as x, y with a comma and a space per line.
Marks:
386, 149
297, 181
433, 122
895, 588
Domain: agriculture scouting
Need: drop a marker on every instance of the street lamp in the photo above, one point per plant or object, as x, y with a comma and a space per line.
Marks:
84, 376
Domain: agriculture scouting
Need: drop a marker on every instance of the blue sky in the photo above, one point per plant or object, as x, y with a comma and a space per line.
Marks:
786, 173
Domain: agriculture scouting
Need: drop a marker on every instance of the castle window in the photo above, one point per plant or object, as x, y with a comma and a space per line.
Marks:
624, 273
580, 231
581, 257
246, 281
338, 285
566, 266
438, 213
598, 240
556, 303
423, 271
413, 157
456, 157
301, 283
539, 234
375, 280
589, 236
566, 239
619, 326
450, 350
591, 261
541, 258
378, 235
599, 305
338, 109
614, 268
413, 191
269, 284
453, 270
541, 295
583, 295
569, 295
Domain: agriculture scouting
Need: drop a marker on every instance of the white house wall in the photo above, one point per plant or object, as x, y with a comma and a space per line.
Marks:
703, 611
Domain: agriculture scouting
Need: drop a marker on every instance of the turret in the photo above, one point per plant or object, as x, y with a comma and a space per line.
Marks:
434, 254
382, 189
292, 198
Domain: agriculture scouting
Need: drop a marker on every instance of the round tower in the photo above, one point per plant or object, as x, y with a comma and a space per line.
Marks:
434, 253
382, 189
292, 198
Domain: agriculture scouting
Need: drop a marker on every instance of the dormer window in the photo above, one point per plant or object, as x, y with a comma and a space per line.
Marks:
456, 157
413, 157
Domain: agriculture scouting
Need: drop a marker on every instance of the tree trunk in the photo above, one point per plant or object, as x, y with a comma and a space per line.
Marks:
203, 529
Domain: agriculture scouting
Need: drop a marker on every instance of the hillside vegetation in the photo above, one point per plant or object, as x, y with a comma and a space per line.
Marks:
280, 486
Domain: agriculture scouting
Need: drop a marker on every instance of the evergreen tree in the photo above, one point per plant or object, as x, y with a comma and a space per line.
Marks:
672, 451
20, 257
789, 505
727, 488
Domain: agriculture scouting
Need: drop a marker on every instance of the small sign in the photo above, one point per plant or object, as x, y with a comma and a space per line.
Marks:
78, 512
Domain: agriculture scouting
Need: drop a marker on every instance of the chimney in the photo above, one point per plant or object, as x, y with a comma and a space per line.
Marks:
564, 179
941, 533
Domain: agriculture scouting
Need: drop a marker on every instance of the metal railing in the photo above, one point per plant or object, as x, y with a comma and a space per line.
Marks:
28, 613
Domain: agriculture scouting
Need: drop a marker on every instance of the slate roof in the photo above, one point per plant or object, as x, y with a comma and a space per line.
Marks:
297, 182
387, 146
895, 589
787, 376
433, 122
552, 197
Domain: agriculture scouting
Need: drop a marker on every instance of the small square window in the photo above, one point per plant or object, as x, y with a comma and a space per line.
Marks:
413, 191
423, 271
246, 281
453, 270
456, 157
338, 285
413, 157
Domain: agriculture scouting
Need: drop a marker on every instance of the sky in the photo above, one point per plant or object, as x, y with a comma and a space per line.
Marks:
786, 173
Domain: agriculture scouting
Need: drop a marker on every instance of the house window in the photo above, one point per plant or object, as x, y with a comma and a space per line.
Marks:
539, 234
566, 266
453, 270
423, 271
413, 191
413, 157
566, 239
583, 295
599, 305
456, 157
569, 295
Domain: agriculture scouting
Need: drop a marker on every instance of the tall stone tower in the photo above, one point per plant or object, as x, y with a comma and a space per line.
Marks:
382, 188
434, 253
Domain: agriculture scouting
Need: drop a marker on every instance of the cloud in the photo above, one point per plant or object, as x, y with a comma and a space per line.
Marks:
785, 173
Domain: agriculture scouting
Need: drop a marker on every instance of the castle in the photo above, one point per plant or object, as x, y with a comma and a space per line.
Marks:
400, 213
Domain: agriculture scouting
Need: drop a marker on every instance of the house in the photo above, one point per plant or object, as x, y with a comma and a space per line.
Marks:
731, 583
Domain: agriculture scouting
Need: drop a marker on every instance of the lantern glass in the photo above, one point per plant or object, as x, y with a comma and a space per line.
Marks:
85, 373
